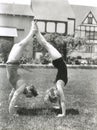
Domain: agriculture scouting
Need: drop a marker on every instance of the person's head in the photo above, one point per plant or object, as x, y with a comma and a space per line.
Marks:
30, 91
51, 95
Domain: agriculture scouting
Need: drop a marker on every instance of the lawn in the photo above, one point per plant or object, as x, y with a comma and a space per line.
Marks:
81, 102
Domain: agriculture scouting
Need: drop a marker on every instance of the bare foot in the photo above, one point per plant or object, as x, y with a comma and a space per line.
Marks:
34, 27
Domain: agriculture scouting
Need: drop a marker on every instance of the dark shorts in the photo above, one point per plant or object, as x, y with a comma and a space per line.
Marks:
62, 70
12, 73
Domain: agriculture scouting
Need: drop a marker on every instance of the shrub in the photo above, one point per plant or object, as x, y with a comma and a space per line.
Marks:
5, 47
64, 44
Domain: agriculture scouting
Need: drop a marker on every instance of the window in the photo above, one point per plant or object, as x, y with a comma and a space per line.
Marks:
90, 20
83, 34
41, 26
95, 35
51, 27
87, 28
82, 28
90, 35
88, 48
60, 28
92, 28
95, 28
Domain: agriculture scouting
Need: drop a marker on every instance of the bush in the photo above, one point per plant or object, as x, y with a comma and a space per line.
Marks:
64, 44
23, 60
58, 41
45, 59
5, 47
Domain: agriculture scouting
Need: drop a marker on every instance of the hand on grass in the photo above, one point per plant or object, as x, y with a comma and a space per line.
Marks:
61, 115
13, 112
56, 107
15, 115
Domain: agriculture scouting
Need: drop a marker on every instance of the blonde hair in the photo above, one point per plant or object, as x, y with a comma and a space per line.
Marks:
51, 95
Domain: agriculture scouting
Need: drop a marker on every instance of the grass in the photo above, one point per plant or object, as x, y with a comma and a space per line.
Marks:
81, 102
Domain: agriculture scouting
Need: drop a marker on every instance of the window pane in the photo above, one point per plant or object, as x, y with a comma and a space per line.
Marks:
82, 27
92, 28
95, 49
90, 15
70, 27
41, 26
95, 35
89, 20
90, 35
50, 27
87, 49
87, 28
60, 28
82, 33
95, 28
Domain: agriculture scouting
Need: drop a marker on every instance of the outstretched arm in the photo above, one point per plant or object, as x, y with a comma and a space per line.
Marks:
60, 85
63, 107
11, 94
15, 98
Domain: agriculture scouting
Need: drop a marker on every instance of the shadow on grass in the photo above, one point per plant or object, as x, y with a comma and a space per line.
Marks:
45, 111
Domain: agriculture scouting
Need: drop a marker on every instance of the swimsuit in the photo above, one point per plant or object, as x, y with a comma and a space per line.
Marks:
62, 69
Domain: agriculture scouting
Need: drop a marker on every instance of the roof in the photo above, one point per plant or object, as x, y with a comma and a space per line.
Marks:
9, 32
82, 11
16, 9
52, 9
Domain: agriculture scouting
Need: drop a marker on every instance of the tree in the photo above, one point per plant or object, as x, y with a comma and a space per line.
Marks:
5, 47
64, 44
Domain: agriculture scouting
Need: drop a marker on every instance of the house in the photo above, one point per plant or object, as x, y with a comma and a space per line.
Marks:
61, 17
51, 17
54, 16
15, 23
86, 27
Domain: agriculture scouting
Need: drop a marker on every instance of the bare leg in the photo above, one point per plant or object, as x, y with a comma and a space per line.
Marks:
17, 49
53, 52
12, 73
30, 35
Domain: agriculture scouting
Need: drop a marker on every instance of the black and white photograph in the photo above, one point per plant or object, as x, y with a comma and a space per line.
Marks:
48, 65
